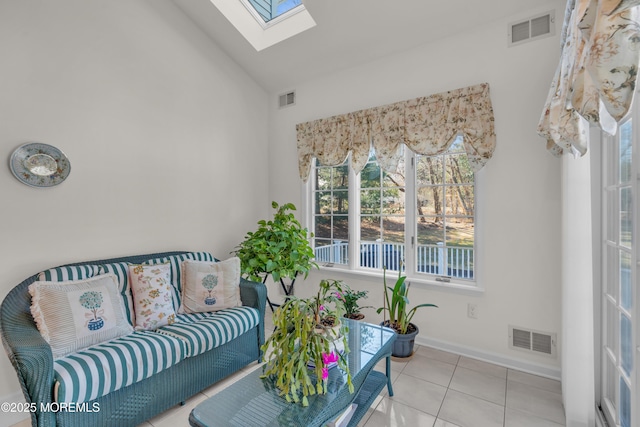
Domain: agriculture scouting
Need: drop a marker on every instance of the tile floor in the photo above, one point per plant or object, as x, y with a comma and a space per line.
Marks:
436, 389
440, 389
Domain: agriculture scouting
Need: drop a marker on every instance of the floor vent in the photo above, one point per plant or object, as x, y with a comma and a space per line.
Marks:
529, 340
534, 28
287, 99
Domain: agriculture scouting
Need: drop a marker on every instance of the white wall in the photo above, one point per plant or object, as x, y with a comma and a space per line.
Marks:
578, 389
518, 203
166, 135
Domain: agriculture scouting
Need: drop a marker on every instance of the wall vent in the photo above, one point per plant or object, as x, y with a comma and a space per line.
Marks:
287, 99
529, 340
534, 28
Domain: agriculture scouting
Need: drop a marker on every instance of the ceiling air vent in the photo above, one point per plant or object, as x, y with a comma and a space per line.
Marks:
534, 28
287, 99
535, 341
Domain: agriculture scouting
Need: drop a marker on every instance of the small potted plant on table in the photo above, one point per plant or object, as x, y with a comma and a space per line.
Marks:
352, 309
395, 305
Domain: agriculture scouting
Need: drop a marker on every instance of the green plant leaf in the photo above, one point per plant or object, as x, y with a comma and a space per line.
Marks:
396, 302
279, 247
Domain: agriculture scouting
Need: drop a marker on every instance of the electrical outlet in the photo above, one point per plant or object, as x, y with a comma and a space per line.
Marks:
472, 311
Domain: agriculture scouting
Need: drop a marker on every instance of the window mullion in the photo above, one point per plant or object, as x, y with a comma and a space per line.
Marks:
332, 217
410, 218
381, 236
354, 222
443, 192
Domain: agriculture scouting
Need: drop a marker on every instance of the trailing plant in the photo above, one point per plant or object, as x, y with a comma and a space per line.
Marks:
395, 303
302, 344
279, 247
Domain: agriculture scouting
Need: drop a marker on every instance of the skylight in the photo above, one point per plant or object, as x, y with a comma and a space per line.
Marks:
266, 22
271, 9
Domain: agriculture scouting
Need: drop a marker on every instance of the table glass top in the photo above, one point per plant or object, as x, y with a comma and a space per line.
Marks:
253, 401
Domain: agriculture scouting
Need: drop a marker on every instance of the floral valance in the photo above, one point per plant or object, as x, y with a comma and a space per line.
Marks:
427, 125
595, 80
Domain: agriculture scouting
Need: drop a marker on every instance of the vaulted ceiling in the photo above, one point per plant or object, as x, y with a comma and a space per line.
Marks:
348, 32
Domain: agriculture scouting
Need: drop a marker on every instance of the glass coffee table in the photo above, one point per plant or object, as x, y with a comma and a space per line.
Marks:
255, 402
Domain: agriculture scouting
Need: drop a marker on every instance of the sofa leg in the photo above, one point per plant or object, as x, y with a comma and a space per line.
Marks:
183, 403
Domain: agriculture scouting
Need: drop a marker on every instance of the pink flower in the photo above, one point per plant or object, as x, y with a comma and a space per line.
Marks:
339, 295
325, 373
329, 358
322, 308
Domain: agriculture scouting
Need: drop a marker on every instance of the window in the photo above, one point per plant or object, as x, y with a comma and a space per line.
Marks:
619, 376
331, 213
420, 218
446, 213
382, 216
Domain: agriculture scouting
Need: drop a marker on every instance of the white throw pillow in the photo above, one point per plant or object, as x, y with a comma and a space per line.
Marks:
210, 286
152, 300
76, 314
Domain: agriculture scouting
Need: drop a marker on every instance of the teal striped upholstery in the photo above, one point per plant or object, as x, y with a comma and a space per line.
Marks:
61, 274
192, 317
176, 270
121, 270
215, 330
106, 367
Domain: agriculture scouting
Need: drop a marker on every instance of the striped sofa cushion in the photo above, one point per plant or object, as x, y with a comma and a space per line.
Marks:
121, 270
215, 330
176, 270
192, 317
63, 274
98, 370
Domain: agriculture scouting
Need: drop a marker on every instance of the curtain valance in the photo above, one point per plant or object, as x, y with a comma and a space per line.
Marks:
595, 80
427, 125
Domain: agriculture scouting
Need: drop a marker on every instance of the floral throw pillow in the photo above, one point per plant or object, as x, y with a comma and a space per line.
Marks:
152, 301
210, 286
75, 314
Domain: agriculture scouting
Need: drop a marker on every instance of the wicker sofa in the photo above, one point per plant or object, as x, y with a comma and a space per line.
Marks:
131, 404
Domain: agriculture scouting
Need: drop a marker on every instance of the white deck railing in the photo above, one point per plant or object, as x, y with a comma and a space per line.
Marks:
337, 253
432, 259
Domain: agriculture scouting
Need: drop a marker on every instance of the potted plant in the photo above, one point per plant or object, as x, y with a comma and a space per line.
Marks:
279, 247
350, 299
306, 339
395, 303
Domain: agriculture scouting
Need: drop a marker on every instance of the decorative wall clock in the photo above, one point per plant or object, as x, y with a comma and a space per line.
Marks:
39, 165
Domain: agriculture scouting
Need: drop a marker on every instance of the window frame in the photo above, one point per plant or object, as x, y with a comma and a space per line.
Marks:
353, 270
608, 302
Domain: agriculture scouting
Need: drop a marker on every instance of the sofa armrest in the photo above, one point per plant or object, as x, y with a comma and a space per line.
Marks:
28, 352
254, 294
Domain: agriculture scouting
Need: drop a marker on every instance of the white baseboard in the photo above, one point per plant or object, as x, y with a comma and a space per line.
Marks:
11, 418
497, 359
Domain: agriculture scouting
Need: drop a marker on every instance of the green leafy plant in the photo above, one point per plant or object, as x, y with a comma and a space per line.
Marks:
305, 342
279, 247
395, 302
351, 298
